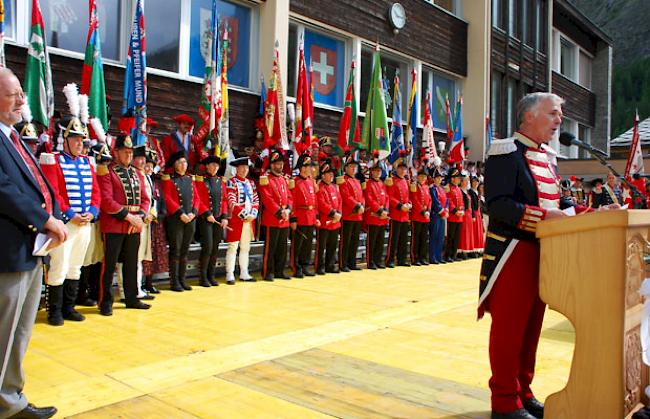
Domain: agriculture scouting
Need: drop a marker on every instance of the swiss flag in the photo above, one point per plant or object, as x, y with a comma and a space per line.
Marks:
323, 61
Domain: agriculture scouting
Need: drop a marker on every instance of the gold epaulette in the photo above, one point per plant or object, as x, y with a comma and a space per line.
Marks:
165, 176
340, 180
316, 187
389, 181
198, 178
102, 169
363, 185
414, 187
291, 183
264, 180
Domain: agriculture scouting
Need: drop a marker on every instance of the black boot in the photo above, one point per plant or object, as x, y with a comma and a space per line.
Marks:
203, 272
174, 285
182, 267
149, 286
54, 304
212, 264
70, 289
321, 270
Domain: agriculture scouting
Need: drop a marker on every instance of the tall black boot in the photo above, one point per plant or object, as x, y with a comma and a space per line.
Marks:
70, 289
54, 304
149, 286
83, 294
182, 267
174, 285
212, 264
203, 272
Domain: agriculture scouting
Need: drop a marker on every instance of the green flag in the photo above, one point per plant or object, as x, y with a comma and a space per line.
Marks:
375, 125
38, 76
92, 76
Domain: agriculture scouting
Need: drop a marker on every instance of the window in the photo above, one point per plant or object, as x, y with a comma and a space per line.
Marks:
525, 32
10, 17
448, 5
511, 96
584, 134
440, 87
237, 19
162, 25
66, 25
567, 58
539, 27
390, 66
571, 126
495, 105
327, 55
513, 18
497, 13
585, 70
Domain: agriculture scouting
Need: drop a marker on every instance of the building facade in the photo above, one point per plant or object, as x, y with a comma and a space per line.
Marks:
491, 52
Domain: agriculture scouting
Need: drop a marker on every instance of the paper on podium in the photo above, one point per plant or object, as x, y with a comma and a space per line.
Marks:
570, 211
41, 245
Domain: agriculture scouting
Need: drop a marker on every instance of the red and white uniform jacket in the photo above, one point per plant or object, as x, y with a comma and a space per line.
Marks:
304, 201
212, 194
74, 183
242, 202
353, 199
398, 195
377, 198
329, 204
421, 199
276, 197
456, 204
123, 192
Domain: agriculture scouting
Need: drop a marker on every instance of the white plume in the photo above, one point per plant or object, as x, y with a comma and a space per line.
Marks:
72, 96
26, 112
291, 112
437, 161
83, 108
98, 129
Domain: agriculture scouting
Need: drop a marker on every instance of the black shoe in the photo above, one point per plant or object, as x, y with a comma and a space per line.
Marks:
139, 305
424, 263
147, 297
320, 270
435, 262
381, 266
298, 273
106, 310
345, 269
269, 278
33, 412
307, 272
251, 279
152, 289
355, 268
230, 282
87, 302
204, 283
404, 264
282, 276
417, 263
332, 270
186, 287
74, 316
517, 414
390, 265
372, 266
175, 286
534, 407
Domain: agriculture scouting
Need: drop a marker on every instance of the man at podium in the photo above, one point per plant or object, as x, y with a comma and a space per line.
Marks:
521, 188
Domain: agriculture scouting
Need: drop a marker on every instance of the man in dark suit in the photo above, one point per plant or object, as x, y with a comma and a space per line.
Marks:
27, 207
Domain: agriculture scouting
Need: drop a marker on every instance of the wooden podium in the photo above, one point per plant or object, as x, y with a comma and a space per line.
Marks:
591, 268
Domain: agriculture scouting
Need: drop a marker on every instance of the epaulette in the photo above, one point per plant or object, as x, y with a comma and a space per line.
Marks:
193, 178
363, 185
165, 176
102, 169
414, 187
340, 180
389, 181
198, 178
504, 146
291, 183
316, 187
47, 159
447, 188
264, 180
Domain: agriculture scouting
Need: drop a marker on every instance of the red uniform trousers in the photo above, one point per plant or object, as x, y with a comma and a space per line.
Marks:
517, 314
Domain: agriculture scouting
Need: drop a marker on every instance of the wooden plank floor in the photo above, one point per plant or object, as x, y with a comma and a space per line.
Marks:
394, 343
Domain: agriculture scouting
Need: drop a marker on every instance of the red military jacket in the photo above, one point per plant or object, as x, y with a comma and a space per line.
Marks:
123, 192
377, 198
353, 199
398, 195
181, 196
212, 200
304, 201
421, 200
173, 143
78, 171
275, 195
456, 204
329, 203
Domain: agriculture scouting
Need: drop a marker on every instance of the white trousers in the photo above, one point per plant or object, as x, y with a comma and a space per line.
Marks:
68, 258
244, 245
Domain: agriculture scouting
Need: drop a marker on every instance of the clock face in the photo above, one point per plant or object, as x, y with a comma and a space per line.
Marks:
397, 15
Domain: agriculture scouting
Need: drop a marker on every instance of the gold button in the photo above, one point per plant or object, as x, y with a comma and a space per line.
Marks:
30, 226
34, 229
42, 205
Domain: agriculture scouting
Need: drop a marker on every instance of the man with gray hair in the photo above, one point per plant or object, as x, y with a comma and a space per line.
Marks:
521, 189
27, 207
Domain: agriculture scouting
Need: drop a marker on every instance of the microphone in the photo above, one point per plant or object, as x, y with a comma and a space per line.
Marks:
567, 139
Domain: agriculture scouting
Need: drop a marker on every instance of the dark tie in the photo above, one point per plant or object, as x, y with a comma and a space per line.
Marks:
31, 164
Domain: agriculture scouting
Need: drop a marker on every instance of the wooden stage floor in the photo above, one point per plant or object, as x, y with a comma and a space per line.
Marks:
399, 342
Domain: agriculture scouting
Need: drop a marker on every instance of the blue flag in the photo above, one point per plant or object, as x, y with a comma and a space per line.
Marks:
397, 132
135, 78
